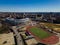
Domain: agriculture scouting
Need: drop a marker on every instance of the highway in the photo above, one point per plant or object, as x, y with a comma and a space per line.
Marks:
18, 37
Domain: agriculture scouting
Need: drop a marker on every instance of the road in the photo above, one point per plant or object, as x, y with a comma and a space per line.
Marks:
18, 37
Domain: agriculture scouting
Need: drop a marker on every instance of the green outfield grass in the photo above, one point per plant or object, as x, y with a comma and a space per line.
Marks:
39, 32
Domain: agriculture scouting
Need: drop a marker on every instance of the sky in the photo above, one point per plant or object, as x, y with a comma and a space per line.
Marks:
29, 5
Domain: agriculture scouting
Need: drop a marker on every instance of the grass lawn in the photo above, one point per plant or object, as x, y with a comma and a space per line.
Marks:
55, 27
39, 32
50, 25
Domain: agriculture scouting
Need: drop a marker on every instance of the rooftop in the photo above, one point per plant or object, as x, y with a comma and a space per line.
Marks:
7, 39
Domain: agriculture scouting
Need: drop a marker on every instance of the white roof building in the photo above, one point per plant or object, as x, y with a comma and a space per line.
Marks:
16, 21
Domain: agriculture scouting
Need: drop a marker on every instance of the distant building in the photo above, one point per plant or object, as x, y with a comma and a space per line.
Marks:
16, 21
53, 17
0, 25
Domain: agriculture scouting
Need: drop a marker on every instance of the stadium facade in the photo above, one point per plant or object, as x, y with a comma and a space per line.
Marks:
16, 21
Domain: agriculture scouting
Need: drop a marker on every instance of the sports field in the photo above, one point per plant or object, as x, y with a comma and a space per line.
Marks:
39, 32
